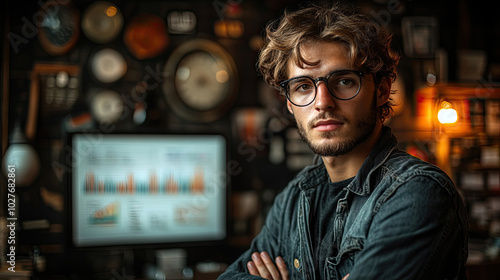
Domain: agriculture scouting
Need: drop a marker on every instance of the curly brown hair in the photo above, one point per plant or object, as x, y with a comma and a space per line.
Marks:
367, 44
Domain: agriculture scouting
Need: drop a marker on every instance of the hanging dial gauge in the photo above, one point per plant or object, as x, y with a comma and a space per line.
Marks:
202, 81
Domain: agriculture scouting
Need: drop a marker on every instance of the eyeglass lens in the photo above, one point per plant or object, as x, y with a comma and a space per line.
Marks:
343, 85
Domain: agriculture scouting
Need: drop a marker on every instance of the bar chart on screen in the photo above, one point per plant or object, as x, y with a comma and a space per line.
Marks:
143, 189
169, 184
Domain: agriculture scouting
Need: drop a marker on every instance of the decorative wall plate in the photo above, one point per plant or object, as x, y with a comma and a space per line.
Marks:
102, 22
202, 82
108, 65
106, 106
146, 36
60, 27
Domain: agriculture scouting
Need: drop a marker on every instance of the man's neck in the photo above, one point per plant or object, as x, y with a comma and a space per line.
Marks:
347, 166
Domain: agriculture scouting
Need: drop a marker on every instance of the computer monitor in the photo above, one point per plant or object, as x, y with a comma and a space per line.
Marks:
130, 189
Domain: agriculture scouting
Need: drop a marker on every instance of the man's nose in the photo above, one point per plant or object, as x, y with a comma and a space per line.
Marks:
324, 99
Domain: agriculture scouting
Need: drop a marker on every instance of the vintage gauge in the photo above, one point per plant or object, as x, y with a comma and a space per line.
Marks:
102, 22
202, 81
59, 28
108, 65
106, 106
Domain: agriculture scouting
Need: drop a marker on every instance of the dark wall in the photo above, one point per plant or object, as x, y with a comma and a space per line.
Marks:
462, 24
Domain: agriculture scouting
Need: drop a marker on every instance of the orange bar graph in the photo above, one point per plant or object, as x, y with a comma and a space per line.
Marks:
197, 185
130, 184
153, 183
92, 183
172, 184
89, 182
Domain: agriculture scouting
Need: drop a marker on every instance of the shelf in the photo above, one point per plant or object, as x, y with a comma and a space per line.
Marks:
466, 91
481, 192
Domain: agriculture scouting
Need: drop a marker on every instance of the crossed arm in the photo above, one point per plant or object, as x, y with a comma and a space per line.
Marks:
262, 265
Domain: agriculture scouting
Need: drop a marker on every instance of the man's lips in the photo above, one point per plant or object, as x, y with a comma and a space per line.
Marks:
327, 125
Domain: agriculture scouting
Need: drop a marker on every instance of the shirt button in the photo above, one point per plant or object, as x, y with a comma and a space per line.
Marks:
296, 263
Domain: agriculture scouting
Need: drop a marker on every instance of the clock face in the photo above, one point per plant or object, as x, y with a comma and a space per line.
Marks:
203, 83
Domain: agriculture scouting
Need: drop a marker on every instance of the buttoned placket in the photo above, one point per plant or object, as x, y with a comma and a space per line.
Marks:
304, 262
340, 218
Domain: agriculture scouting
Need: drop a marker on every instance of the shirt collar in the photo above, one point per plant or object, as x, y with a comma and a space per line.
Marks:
364, 182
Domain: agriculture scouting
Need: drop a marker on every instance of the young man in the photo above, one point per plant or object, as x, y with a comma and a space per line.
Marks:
366, 210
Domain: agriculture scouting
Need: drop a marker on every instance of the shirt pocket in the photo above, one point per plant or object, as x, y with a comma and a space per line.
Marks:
340, 265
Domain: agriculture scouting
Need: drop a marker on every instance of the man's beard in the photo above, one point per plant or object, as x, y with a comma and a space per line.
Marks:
364, 129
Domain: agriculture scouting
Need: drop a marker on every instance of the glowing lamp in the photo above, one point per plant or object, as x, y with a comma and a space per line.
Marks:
447, 115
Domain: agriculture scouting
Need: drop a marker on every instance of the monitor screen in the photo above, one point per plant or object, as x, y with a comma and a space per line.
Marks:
147, 189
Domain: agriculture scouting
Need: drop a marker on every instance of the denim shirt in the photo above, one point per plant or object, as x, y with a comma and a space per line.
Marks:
400, 218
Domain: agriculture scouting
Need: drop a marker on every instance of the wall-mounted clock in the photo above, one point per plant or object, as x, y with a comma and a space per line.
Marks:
202, 80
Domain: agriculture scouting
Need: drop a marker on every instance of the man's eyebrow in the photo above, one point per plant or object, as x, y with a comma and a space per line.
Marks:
301, 77
339, 70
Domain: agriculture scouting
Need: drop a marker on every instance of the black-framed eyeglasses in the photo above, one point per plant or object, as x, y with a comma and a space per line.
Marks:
342, 84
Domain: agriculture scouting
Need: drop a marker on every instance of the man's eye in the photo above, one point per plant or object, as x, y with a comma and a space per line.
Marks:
345, 82
303, 87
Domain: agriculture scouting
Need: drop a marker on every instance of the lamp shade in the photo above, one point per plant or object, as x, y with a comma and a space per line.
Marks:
21, 159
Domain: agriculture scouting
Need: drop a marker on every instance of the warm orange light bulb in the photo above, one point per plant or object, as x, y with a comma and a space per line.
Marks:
447, 115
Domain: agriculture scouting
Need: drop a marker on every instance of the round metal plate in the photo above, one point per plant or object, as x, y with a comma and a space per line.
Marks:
202, 83
102, 22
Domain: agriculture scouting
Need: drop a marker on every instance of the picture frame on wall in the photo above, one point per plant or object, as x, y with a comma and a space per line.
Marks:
420, 36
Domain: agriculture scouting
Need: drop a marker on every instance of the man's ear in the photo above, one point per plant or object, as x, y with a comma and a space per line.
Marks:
289, 106
384, 91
